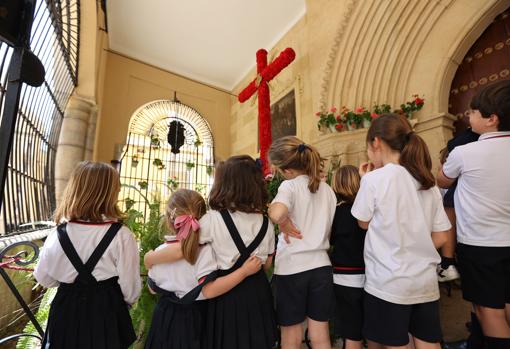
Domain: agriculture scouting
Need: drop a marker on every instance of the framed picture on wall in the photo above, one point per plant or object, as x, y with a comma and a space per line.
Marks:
283, 116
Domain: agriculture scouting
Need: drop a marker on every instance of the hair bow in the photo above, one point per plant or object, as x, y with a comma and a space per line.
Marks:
185, 224
302, 147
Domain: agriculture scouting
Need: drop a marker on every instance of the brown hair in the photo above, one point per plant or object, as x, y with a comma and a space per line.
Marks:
398, 134
239, 186
291, 153
186, 202
494, 99
346, 183
91, 194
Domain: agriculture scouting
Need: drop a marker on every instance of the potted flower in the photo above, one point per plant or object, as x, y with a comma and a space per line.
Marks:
327, 120
410, 107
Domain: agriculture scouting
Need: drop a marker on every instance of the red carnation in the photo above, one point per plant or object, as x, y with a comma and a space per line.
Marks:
333, 109
318, 113
374, 115
418, 101
338, 118
360, 110
339, 126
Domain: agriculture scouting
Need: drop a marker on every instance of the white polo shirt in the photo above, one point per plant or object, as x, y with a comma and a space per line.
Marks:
482, 197
312, 213
181, 277
400, 257
214, 231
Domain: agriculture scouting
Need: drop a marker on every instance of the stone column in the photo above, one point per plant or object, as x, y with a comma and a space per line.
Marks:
91, 133
74, 144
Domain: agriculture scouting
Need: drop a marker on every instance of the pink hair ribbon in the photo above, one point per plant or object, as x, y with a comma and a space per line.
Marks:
185, 224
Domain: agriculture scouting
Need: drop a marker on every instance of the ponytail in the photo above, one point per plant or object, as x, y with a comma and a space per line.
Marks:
189, 247
415, 157
185, 202
397, 133
291, 153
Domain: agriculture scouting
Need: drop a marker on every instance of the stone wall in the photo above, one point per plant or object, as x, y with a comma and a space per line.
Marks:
356, 53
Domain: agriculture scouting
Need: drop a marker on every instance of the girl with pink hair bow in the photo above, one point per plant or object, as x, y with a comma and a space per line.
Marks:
185, 285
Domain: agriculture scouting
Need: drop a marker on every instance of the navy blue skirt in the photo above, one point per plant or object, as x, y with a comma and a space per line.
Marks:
177, 326
244, 317
92, 316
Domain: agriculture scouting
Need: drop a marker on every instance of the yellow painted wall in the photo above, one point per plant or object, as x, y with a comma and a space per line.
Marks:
129, 84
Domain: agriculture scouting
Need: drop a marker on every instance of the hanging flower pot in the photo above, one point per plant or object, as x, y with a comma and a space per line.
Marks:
190, 165
209, 170
134, 161
158, 163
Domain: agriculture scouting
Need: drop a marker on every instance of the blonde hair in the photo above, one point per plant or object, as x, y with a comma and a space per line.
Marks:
346, 183
91, 194
291, 153
186, 202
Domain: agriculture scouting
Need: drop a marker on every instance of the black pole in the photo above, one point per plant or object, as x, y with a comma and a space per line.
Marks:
14, 82
10, 114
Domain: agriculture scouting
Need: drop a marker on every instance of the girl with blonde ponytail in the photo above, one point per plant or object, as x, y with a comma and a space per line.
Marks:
304, 207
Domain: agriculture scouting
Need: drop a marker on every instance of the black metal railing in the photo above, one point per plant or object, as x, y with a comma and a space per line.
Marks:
12, 255
29, 191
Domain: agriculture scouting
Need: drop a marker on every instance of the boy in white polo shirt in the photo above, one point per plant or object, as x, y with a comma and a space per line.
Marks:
482, 205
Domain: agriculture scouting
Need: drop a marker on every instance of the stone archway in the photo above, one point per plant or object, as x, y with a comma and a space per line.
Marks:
385, 51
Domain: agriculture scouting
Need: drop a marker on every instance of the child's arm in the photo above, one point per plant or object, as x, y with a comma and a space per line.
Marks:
226, 283
363, 225
279, 214
169, 254
43, 265
442, 180
439, 238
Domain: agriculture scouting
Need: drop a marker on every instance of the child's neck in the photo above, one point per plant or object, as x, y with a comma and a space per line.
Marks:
390, 157
292, 173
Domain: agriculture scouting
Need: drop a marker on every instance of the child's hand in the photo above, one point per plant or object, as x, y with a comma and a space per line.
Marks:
365, 167
251, 265
289, 229
147, 260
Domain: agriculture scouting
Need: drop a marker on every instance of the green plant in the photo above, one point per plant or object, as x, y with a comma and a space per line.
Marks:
155, 142
190, 165
42, 317
361, 116
134, 161
209, 170
201, 189
143, 185
198, 143
150, 234
129, 203
172, 183
158, 163
326, 119
273, 184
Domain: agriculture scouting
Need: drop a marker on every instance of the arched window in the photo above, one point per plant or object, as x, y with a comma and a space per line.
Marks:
169, 146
